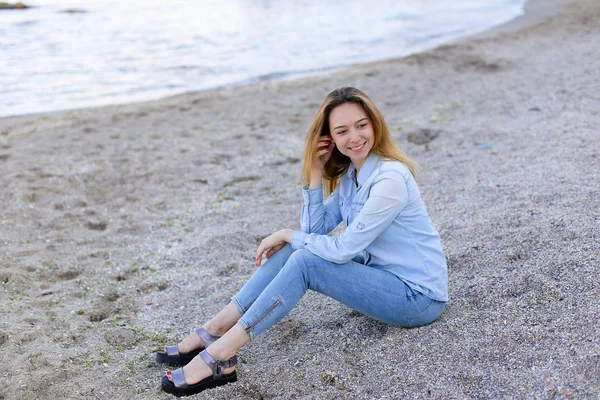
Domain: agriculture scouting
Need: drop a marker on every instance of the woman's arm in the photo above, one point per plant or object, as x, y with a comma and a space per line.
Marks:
316, 216
388, 197
272, 243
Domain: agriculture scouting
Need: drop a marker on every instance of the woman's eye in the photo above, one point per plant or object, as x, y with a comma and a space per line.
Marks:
362, 126
340, 132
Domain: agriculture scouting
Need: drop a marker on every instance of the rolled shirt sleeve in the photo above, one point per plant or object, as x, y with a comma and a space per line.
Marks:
388, 197
316, 216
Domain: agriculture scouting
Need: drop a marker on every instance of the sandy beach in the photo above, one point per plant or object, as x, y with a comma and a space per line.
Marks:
124, 227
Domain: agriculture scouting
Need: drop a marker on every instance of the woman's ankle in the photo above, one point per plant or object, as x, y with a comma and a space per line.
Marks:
221, 323
215, 329
220, 352
227, 346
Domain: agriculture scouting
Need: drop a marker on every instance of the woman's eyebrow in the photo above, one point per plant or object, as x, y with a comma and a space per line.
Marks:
343, 126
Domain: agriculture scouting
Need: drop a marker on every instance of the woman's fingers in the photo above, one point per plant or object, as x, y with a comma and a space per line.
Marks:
267, 244
259, 252
325, 149
324, 154
270, 252
273, 250
324, 142
258, 260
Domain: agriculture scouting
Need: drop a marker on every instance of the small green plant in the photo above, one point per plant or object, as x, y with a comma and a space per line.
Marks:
332, 380
132, 368
104, 357
328, 379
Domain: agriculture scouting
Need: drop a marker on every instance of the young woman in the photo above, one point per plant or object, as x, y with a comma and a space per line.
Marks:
387, 264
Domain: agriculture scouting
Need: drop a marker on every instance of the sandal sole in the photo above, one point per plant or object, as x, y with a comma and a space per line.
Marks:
204, 384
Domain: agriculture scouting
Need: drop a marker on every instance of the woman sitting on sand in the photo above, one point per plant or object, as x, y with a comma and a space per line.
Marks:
387, 264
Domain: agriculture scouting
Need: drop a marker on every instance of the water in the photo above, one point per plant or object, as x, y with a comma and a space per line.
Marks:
126, 51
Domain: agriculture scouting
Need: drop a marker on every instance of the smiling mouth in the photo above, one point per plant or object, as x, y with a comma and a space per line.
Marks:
358, 147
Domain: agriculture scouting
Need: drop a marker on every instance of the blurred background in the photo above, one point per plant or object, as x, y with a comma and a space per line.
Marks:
70, 54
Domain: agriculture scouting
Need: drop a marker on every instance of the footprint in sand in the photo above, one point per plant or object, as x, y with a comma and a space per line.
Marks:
96, 225
102, 314
477, 63
111, 296
68, 275
422, 136
250, 178
218, 159
287, 160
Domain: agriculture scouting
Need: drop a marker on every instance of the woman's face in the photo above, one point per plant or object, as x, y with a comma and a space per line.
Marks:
352, 132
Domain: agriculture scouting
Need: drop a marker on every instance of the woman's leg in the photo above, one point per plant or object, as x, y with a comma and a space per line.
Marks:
374, 292
217, 326
228, 316
223, 349
261, 279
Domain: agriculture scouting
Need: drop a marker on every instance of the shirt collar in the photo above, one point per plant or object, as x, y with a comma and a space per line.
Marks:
365, 171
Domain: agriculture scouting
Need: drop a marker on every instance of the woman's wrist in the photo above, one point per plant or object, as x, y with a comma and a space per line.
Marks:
286, 235
316, 179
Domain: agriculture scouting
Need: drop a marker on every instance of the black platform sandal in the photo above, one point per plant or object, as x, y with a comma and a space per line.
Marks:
174, 382
172, 356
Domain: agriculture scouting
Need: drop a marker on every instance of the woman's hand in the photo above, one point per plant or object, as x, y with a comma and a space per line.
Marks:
274, 250
325, 146
272, 243
322, 154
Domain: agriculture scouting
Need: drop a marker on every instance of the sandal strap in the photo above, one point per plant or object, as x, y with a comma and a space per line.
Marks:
178, 378
206, 337
218, 366
172, 351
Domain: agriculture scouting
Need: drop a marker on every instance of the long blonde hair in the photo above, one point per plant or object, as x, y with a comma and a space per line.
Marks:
337, 165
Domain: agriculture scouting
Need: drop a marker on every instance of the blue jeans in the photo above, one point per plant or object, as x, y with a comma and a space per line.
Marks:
280, 283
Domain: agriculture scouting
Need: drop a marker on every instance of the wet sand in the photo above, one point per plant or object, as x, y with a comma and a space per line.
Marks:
123, 227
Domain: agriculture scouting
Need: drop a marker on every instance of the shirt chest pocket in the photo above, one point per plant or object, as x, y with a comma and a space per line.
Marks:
353, 211
356, 206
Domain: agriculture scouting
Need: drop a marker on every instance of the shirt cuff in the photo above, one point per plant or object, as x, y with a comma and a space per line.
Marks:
298, 238
312, 196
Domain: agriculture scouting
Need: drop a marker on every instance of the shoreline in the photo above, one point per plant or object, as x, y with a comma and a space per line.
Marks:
535, 11
125, 226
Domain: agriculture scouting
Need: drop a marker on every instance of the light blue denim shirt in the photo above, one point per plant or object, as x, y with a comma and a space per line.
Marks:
387, 226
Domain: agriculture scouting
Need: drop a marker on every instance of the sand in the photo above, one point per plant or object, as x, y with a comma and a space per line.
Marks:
123, 227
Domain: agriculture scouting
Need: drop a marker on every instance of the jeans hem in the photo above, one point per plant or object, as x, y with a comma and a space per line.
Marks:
245, 325
238, 305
